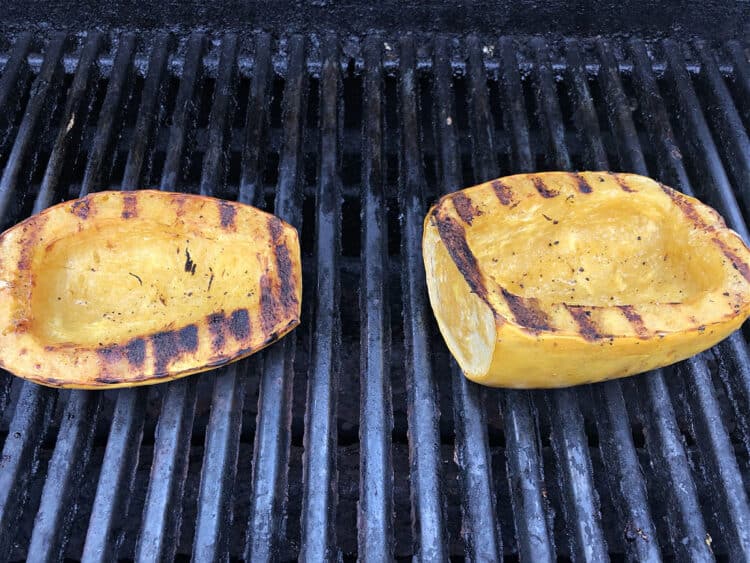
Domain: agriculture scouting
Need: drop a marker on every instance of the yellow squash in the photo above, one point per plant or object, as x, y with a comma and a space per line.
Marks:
556, 279
121, 289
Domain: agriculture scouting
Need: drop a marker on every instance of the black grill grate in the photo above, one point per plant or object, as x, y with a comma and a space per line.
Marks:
356, 435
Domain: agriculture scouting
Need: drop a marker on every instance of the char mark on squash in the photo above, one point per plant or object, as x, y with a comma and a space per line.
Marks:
29, 242
635, 320
216, 328
269, 306
544, 190
586, 326
227, 213
170, 345
239, 324
81, 208
465, 207
527, 312
737, 262
189, 264
687, 208
135, 352
583, 186
454, 238
129, 206
287, 287
623, 184
108, 380
503, 192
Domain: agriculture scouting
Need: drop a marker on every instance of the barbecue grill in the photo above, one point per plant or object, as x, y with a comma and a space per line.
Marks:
356, 436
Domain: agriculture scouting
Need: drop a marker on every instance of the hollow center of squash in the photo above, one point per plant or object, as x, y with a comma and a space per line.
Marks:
616, 252
109, 284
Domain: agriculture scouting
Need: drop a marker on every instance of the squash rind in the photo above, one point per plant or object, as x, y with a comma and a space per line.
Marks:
111, 325
607, 326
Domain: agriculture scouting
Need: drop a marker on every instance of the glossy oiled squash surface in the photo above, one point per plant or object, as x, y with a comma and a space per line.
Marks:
556, 279
120, 289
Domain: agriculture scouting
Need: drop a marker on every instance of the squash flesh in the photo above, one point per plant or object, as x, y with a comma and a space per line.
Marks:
555, 260
121, 289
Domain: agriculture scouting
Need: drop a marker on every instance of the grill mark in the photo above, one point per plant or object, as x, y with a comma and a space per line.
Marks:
170, 345
465, 207
542, 188
135, 352
737, 262
635, 320
129, 206
687, 208
239, 324
623, 185
269, 307
81, 208
287, 287
586, 326
179, 201
527, 312
454, 238
227, 213
583, 186
216, 328
190, 266
503, 192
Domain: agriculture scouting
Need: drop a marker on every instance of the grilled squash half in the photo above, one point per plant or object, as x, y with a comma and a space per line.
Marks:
121, 289
557, 279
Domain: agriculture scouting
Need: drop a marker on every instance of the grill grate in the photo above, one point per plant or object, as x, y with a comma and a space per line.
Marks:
356, 435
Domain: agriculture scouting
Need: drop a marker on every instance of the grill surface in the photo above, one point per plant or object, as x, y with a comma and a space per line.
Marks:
356, 435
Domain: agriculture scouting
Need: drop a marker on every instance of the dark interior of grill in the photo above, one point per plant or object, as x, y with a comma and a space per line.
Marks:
356, 436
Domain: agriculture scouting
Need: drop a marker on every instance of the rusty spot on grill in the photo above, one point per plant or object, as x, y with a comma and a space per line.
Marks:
623, 184
454, 238
287, 287
465, 207
239, 324
586, 326
503, 192
269, 307
737, 262
583, 186
129, 206
543, 189
635, 320
170, 345
227, 213
527, 312
81, 208
216, 328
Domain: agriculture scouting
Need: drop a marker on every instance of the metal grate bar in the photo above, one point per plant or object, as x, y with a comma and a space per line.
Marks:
184, 111
111, 108
319, 460
117, 476
15, 72
480, 527
375, 515
272, 436
616, 440
35, 404
76, 110
663, 440
484, 151
727, 120
515, 113
64, 476
256, 122
43, 91
219, 470
160, 528
742, 77
582, 513
700, 144
148, 113
428, 518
